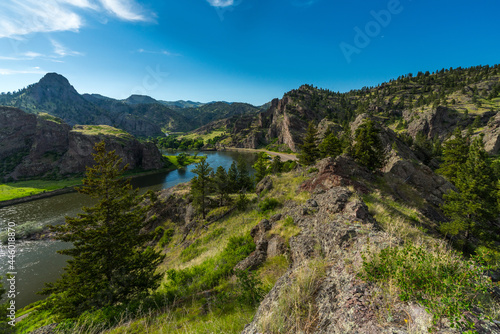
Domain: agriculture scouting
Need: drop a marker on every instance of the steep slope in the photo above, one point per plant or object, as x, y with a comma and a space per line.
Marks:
42, 145
54, 94
428, 104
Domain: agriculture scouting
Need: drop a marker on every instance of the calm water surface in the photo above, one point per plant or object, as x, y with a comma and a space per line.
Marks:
37, 261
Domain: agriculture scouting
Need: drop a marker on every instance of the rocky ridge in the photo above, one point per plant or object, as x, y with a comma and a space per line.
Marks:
37, 146
336, 230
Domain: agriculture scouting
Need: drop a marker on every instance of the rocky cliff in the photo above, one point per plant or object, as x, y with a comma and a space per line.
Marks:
38, 146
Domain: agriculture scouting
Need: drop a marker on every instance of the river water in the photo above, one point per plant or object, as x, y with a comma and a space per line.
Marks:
37, 261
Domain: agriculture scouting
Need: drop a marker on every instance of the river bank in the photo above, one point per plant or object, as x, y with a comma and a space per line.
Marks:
31, 190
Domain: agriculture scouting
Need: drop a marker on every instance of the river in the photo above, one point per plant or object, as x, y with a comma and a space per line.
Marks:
37, 261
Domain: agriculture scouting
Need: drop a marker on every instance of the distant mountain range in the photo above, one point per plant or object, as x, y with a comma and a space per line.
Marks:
139, 115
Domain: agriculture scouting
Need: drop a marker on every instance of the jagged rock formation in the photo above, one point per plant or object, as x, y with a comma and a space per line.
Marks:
36, 146
336, 229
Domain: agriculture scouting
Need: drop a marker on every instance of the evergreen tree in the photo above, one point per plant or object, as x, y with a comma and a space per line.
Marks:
260, 167
455, 153
110, 263
331, 146
221, 185
200, 185
367, 149
474, 204
244, 181
309, 150
346, 139
276, 165
232, 176
182, 158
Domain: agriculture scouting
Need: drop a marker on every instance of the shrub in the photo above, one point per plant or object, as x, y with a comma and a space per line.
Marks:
242, 202
250, 288
445, 284
166, 237
268, 204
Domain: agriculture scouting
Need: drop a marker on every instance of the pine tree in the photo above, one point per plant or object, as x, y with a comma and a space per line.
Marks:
244, 180
367, 149
455, 153
331, 146
474, 204
221, 185
309, 150
260, 167
110, 263
232, 176
200, 185
276, 165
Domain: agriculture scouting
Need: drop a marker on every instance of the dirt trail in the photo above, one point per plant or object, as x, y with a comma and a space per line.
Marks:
283, 156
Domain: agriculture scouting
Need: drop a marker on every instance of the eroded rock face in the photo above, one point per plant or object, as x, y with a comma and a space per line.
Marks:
35, 147
437, 122
492, 135
429, 184
16, 131
81, 147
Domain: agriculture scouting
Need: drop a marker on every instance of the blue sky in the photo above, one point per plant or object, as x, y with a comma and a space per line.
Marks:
238, 50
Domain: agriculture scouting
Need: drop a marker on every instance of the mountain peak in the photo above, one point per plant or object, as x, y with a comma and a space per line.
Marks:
140, 99
54, 79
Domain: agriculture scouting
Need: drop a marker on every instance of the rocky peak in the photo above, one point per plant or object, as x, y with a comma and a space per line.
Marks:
53, 86
140, 99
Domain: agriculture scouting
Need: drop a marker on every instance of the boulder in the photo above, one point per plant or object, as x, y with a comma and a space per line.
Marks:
265, 184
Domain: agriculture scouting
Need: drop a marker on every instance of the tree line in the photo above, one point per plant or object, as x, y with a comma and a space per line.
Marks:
221, 183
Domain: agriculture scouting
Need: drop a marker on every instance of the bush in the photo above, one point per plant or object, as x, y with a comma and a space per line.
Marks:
445, 284
242, 202
250, 288
166, 237
268, 204
288, 166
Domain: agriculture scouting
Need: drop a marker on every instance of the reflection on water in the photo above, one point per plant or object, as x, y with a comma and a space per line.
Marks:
37, 261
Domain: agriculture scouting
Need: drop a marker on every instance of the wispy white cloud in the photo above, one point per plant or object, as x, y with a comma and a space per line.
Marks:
161, 52
221, 3
62, 51
23, 17
18, 18
33, 70
31, 54
126, 10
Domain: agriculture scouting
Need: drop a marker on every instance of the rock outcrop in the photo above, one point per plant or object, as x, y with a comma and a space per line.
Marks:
336, 229
492, 135
36, 146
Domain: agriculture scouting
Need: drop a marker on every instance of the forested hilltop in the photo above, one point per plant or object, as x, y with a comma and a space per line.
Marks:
431, 105
387, 223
